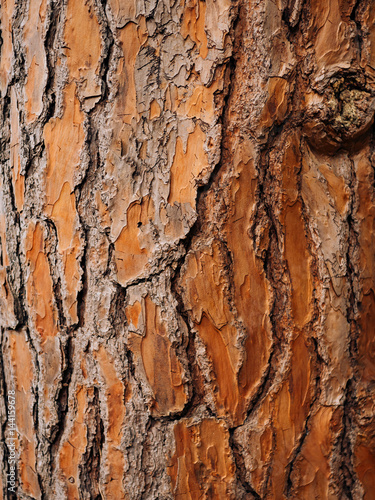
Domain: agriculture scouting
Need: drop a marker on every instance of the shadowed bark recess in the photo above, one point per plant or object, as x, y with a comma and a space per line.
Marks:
187, 267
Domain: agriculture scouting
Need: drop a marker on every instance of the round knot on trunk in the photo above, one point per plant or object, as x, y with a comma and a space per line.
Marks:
339, 117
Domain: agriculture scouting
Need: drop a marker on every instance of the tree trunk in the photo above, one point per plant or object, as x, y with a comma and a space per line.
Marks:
187, 224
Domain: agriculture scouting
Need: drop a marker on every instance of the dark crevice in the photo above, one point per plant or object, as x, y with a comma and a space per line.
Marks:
117, 316
62, 397
14, 270
118, 321
82, 293
91, 149
147, 279
131, 365
354, 16
111, 250
4, 392
36, 415
82, 192
54, 19
305, 431
350, 402
109, 42
346, 453
265, 382
59, 301
292, 13
90, 466
241, 468
57, 292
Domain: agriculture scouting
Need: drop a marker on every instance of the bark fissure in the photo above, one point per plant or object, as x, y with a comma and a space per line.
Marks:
347, 466
354, 17
49, 100
4, 415
57, 293
62, 398
15, 270
91, 461
301, 440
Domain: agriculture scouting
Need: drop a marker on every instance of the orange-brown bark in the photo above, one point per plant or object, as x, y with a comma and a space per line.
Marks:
187, 270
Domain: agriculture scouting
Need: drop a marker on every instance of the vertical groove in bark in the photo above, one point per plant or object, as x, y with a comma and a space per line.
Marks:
4, 449
350, 479
90, 468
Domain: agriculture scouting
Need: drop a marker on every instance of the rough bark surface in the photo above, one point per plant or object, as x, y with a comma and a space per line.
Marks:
187, 225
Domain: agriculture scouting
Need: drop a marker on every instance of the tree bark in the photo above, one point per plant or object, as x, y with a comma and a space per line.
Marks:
187, 273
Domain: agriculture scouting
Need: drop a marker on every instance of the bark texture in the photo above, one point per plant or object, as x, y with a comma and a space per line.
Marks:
187, 272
